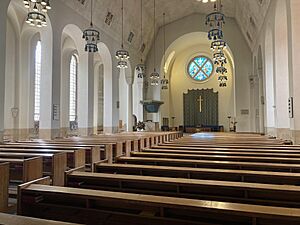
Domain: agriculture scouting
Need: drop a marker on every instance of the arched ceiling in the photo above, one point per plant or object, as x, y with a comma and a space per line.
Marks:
249, 15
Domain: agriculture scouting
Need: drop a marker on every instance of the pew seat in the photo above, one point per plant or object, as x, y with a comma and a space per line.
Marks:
293, 160
24, 170
103, 207
267, 177
257, 166
224, 153
238, 192
53, 164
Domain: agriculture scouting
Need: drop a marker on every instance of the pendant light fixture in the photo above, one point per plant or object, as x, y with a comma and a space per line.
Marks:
141, 68
122, 55
37, 11
154, 77
164, 82
91, 35
216, 21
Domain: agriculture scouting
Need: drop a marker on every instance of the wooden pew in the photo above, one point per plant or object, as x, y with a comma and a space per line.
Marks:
4, 182
103, 207
21, 220
92, 152
218, 157
93, 149
24, 169
238, 192
76, 155
225, 149
256, 166
53, 164
228, 153
266, 177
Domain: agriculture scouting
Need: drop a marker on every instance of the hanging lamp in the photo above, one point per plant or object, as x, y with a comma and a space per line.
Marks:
164, 82
37, 11
91, 35
216, 22
122, 55
154, 76
141, 67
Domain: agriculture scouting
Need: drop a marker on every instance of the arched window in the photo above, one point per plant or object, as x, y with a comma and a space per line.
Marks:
200, 68
37, 81
73, 89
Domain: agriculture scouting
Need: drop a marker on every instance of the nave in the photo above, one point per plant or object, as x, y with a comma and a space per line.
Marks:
138, 178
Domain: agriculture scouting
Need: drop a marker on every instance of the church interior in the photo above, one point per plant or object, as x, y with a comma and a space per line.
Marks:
138, 112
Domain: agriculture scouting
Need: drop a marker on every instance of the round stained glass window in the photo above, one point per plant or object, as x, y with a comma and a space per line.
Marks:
200, 68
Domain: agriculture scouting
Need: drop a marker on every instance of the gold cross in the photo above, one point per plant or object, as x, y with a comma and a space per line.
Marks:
200, 100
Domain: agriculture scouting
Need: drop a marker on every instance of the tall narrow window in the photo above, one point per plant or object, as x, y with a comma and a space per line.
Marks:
37, 81
73, 89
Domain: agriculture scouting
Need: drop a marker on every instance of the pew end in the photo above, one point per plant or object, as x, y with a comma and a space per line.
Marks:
41, 181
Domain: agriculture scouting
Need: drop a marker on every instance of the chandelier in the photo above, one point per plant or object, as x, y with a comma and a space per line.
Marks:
37, 10
122, 55
218, 46
122, 64
164, 82
141, 68
222, 81
91, 35
154, 77
221, 70
216, 21
219, 58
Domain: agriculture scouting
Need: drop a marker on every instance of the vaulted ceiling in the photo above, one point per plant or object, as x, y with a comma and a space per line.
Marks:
249, 15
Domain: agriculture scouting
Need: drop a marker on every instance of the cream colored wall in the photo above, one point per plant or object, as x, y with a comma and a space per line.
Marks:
180, 83
183, 31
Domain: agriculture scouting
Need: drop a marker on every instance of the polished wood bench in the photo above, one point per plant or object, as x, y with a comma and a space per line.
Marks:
7, 219
103, 207
231, 146
94, 152
293, 160
99, 149
262, 166
75, 155
238, 192
24, 170
4, 182
224, 149
225, 153
54, 164
267, 177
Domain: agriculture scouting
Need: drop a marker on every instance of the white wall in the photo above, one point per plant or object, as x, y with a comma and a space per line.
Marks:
60, 17
180, 83
241, 53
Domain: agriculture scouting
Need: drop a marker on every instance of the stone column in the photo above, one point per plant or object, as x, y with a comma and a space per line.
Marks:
91, 94
129, 80
294, 46
3, 19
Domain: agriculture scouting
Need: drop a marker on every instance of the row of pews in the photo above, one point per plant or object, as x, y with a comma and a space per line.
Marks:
204, 179
25, 161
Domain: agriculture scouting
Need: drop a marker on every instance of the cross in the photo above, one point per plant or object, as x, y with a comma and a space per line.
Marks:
200, 100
